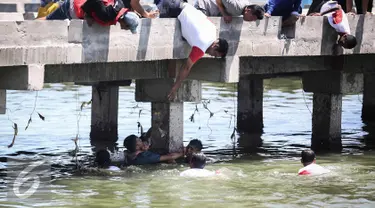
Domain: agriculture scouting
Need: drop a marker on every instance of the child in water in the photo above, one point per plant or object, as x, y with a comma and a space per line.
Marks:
197, 164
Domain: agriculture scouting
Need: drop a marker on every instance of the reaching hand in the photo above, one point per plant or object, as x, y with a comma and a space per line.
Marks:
152, 14
227, 19
172, 94
267, 15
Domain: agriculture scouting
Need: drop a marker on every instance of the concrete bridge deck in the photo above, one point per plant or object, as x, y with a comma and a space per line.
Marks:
37, 52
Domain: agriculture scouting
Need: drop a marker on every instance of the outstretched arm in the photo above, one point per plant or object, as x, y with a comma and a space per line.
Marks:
224, 13
172, 156
180, 78
194, 56
136, 5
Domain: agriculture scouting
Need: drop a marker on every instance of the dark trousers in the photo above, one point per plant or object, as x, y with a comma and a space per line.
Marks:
169, 8
358, 5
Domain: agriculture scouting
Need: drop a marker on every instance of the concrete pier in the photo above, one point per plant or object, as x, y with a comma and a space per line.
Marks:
104, 112
368, 107
250, 105
83, 54
326, 122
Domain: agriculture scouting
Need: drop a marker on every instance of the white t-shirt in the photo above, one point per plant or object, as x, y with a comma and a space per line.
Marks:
312, 169
197, 29
117, 156
337, 19
196, 172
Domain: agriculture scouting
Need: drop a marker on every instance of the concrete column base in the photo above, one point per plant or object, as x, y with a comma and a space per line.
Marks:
104, 112
250, 105
3, 101
326, 122
368, 107
167, 127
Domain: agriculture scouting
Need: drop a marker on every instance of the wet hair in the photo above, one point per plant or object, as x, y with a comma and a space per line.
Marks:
198, 160
195, 144
256, 10
350, 42
130, 143
307, 156
103, 158
223, 47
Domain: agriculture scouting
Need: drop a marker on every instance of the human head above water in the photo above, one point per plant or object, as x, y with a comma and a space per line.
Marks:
198, 160
307, 157
194, 146
253, 12
103, 158
347, 41
132, 143
219, 48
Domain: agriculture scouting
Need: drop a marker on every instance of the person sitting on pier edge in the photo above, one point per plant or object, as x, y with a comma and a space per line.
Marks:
339, 21
290, 10
229, 8
310, 168
197, 164
103, 160
137, 156
194, 146
103, 12
199, 32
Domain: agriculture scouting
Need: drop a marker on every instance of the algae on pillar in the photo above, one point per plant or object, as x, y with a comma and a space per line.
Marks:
167, 117
250, 104
104, 112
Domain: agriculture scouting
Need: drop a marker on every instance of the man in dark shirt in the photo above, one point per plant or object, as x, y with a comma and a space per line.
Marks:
137, 156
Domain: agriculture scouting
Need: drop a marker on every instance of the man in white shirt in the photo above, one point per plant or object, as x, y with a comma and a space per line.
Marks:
198, 31
339, 21
309, 162
197, 163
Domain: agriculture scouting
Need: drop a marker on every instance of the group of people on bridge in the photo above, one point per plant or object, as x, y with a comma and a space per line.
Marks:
196, 28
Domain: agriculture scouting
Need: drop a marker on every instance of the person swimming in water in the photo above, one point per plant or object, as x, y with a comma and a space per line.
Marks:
309, 162
197, 164
194, 146
104, 161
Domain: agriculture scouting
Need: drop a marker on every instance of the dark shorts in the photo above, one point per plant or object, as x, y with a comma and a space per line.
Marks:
61, 13
169, 8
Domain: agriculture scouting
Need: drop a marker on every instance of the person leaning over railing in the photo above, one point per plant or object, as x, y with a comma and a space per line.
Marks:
290, 10
230, 8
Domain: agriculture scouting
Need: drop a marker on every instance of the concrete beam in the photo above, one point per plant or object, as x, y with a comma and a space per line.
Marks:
111, 83
11, 16
21, 7
30, 77
334, 82
157, 90
3, 101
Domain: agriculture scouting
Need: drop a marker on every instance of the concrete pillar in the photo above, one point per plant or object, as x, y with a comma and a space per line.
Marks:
368, 107
3, 101
167, 117
104, 112
168, 122
328, 88
250, 105
326, 122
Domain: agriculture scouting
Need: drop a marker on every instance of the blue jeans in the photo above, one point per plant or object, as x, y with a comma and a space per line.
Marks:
61, 13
